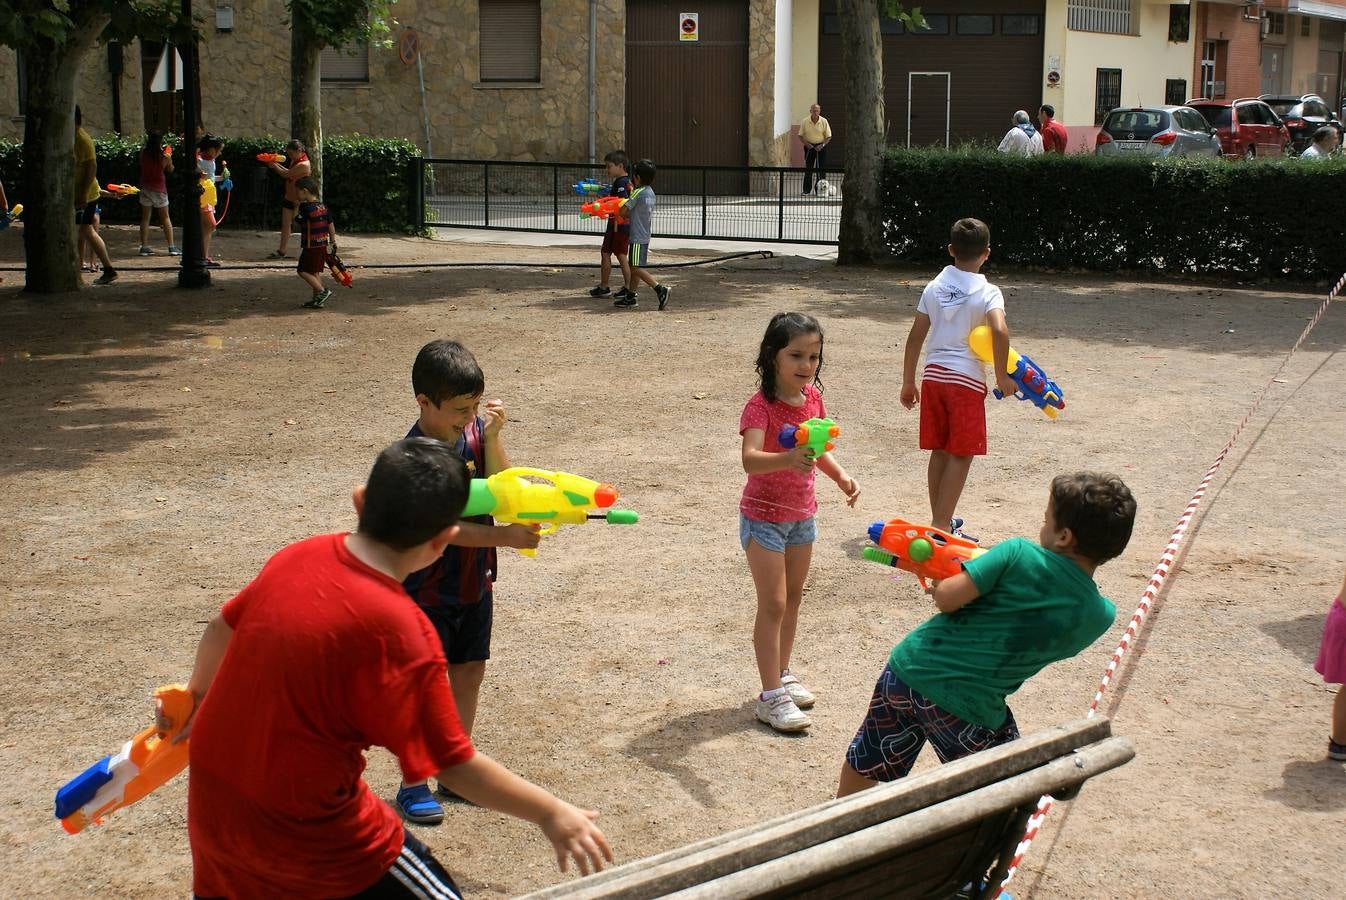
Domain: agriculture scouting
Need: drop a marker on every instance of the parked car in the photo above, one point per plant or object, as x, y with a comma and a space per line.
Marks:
1157, 131
1303, 116
1248, 128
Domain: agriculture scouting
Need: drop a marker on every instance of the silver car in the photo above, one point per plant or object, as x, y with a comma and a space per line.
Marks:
1157, 131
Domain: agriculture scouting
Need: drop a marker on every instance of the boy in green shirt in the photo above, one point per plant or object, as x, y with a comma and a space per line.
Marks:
1010, 613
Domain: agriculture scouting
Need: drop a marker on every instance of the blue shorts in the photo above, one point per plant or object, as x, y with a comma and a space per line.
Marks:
900, 721
639, 254
84, 215
776, 536
464, 629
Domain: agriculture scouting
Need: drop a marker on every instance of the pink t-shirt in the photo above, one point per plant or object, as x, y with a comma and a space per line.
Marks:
787, 495
152, 173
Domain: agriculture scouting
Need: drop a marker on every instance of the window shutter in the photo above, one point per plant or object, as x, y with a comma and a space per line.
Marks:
348, 63
511, 40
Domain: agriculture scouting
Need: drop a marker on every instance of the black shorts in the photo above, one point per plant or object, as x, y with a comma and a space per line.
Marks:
312, 260
464, 629
615, 241
289, 204
84, 215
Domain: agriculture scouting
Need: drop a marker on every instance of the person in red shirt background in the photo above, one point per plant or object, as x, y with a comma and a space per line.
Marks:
320, 657
1054, 136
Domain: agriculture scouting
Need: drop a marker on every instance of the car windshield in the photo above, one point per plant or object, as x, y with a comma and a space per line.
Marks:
1217, 116
1285, 107
1135, 124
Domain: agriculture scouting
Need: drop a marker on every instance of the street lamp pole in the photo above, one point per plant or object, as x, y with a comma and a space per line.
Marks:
193, 273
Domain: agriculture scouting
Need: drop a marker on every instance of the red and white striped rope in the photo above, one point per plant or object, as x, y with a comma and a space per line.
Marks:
1161, 571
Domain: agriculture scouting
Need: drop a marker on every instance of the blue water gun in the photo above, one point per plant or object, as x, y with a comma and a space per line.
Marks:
590, 187
1034, 385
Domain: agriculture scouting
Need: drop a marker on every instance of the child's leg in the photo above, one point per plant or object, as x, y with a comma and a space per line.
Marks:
604, 268
624, 261
1339, 716
166, 223
946, 476
644, 275
207, 229
888, 741
465, 681
286, 217
313, 281
145, 226
768, 576
797, 559
95, 241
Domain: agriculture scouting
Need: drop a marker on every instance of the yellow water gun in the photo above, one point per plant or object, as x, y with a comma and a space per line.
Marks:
527, 496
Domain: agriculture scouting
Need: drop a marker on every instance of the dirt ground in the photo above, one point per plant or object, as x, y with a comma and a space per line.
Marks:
158, 445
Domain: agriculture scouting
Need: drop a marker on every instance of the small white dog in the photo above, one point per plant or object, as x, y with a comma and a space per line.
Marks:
825, 188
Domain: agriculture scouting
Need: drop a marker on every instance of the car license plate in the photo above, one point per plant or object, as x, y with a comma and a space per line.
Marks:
1131, 145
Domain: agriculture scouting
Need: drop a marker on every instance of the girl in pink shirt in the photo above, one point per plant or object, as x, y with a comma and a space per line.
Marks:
776, 525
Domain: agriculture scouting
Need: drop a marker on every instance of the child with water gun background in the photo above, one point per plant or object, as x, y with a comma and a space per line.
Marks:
617, 235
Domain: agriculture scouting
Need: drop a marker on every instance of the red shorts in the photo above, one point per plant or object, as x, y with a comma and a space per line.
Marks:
617, 242
953, 418
312, 260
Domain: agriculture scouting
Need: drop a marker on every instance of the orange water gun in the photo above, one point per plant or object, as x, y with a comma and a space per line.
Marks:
144, 763
121, 191
602, 208
271, 157
922, 550
339, 272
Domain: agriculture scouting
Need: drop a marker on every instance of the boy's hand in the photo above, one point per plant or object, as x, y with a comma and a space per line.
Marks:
520, 537
1006, 384
800, 459
851, 489
165, 724
910, 395
572, 832
494, 415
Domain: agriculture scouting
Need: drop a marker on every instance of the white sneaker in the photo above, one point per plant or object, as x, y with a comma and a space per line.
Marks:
801, 695
781, 713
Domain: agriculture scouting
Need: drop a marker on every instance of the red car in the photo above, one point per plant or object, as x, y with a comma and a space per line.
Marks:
1248, 128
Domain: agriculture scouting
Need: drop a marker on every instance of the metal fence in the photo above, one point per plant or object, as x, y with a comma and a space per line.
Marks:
737, 204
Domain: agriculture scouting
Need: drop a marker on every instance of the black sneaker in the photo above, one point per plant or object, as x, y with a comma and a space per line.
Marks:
662, 293
108, 276
621, 292
625, 302
318, 300
1336, 751
601, 290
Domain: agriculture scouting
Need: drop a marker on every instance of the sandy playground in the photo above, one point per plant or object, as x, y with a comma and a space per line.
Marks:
158, 445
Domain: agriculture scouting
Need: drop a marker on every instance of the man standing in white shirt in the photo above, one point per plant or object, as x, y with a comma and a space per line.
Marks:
1324, 142
1022, 138
815, 134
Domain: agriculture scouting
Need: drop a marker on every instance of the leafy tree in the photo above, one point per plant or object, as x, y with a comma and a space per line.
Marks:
315, 24
861, 232
54, 38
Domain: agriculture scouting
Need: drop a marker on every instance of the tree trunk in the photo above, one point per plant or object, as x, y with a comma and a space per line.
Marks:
861, 234
49, 157
306, 95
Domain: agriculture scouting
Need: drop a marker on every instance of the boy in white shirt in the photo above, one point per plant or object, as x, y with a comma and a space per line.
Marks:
953, 414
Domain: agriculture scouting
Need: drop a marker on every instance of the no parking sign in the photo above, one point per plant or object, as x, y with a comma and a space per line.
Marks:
689, 26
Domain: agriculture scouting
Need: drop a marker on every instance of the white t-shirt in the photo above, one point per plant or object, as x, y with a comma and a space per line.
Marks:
957, 302
1312, 152
1018, 142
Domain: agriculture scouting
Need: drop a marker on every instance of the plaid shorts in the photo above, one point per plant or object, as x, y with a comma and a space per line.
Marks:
900, 721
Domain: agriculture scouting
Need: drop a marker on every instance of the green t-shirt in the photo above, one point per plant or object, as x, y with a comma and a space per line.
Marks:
1035, 607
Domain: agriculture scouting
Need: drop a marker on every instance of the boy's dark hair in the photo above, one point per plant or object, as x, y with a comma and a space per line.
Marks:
1098, 509
445, 369
1048, 109
307, 183
970, 238
644, 171
417, 488
618, 158
783, 328
210, 141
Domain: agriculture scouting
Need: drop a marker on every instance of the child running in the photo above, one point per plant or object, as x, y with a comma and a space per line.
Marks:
317, 235
155, 164
456, 590
317, 659
952, 394
1009, 614
617, 237
640, 210
776, 524
1331, 665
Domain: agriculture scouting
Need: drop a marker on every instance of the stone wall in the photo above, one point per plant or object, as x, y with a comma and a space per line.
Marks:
763, 147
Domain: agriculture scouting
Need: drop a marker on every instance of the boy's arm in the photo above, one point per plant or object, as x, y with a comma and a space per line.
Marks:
209, 655
953, 593
920, 327
474, 534
572, 831
493, 449
828, 465
1000, 351
757, 461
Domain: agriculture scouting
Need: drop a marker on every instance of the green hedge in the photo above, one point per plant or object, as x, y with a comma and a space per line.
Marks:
1278, 219
367, 182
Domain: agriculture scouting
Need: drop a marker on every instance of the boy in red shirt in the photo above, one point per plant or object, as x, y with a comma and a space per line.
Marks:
318, 658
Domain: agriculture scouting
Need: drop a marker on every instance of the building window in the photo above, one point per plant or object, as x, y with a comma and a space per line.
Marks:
1106, 16
1175, 91
1305, 26
1179, 23
511, 40
934, 25
21, 83
348, 64
1020, 25
1107, 93
1276, 23
976, 24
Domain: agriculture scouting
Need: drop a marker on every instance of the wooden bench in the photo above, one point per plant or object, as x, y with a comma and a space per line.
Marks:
924, 836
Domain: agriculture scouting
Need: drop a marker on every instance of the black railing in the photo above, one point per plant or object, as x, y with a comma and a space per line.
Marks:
758, 203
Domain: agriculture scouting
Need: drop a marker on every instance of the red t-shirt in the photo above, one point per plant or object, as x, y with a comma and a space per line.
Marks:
787, 495
328, 657
1054, 137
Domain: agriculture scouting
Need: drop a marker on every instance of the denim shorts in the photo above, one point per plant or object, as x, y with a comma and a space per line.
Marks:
776, 536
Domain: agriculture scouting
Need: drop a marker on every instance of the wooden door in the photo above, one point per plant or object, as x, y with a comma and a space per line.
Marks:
928, 109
